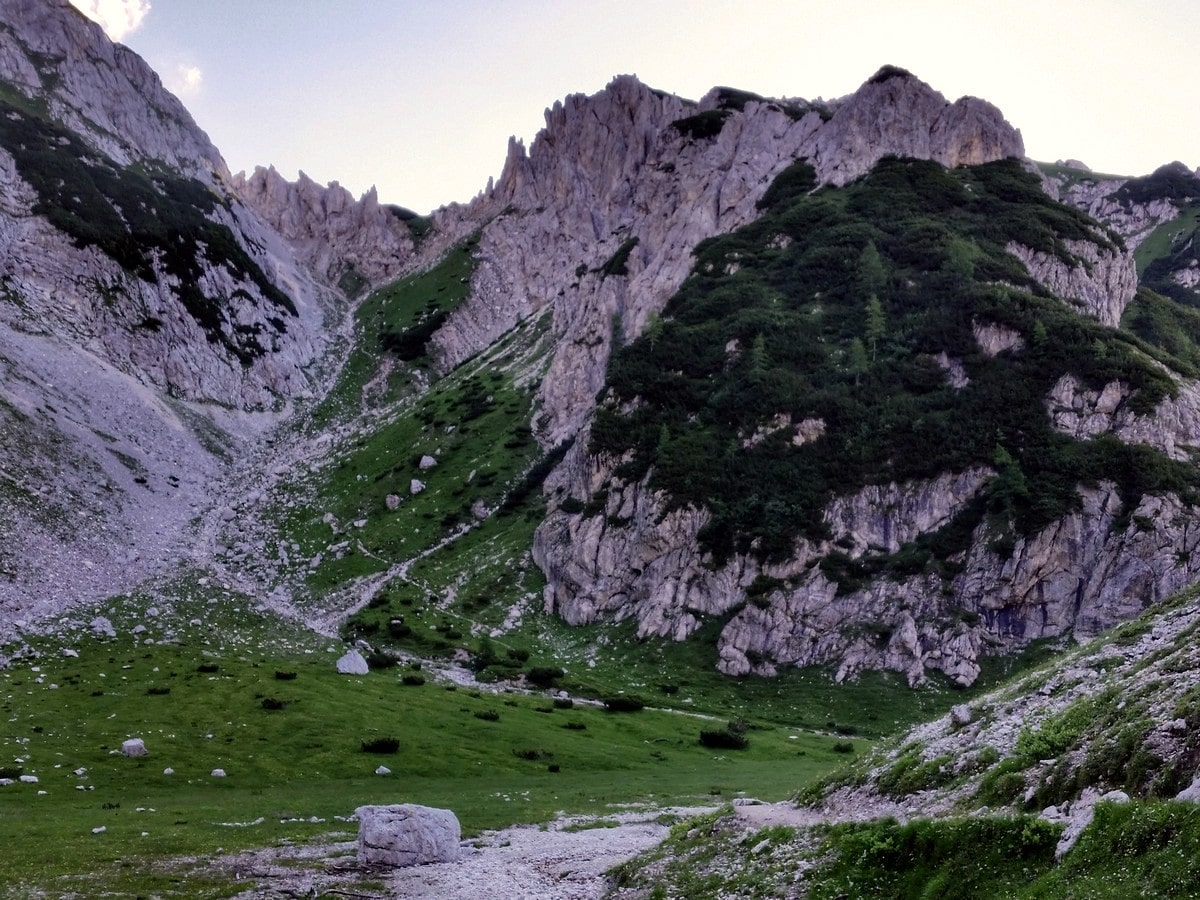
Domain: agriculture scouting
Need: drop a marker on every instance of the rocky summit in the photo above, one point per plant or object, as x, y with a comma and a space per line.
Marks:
792, 399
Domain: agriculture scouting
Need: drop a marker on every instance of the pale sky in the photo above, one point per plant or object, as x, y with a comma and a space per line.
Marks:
419, 98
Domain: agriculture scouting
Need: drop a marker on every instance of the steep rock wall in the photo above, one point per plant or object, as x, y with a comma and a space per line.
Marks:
330, 231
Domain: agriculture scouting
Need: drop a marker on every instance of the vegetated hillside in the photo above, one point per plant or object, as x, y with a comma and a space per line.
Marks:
837, 308
863, 430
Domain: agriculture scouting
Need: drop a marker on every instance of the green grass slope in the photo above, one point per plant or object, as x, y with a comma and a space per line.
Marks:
212, 683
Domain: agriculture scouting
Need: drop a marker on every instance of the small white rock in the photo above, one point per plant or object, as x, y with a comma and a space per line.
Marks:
383, 770
168, 771
218, 773
100, 830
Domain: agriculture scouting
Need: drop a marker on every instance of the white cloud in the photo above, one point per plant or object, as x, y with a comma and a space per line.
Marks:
117, 17
186, 81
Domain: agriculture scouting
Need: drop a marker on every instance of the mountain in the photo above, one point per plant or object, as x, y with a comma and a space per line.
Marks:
1006, 465
740, 406
829, 383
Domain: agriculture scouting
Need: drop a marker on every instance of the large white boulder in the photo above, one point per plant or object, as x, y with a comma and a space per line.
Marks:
353, 663
134, 747
406, 835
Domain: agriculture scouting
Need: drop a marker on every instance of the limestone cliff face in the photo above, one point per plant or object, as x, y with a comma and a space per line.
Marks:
1174, 427
100, 90
1102, 280
613, 177
609, 172
332, 233
127, 371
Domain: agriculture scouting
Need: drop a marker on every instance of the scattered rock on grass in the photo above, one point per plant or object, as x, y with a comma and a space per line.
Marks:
353, 663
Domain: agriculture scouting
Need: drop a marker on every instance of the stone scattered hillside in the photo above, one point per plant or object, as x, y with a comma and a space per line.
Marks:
149, 320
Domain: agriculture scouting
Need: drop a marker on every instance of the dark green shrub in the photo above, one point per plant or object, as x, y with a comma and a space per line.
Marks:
381, 745
624, 703
575, 726
272, 703
12, 773
158, 691
843, 747
702, 126
554, 767
544, 676
377, 659
397, 629
207, 668
723, 739
563, 703
669, 689
532, 754
412, 679
285, 676
487, 715
618, 263
518, 654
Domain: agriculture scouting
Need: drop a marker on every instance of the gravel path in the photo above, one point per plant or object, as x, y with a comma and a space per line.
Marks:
564, 860
528, 862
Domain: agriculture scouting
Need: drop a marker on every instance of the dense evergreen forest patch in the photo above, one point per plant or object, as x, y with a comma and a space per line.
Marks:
836, 305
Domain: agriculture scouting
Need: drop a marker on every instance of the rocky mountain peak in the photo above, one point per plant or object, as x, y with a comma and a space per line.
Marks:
101, 90
897, 114
606, 136
328, 229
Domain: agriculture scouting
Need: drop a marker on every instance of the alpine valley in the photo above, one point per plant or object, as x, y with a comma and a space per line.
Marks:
832, 454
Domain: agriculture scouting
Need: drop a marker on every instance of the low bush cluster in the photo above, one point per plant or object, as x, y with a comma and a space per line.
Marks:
381, 745
624, 703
